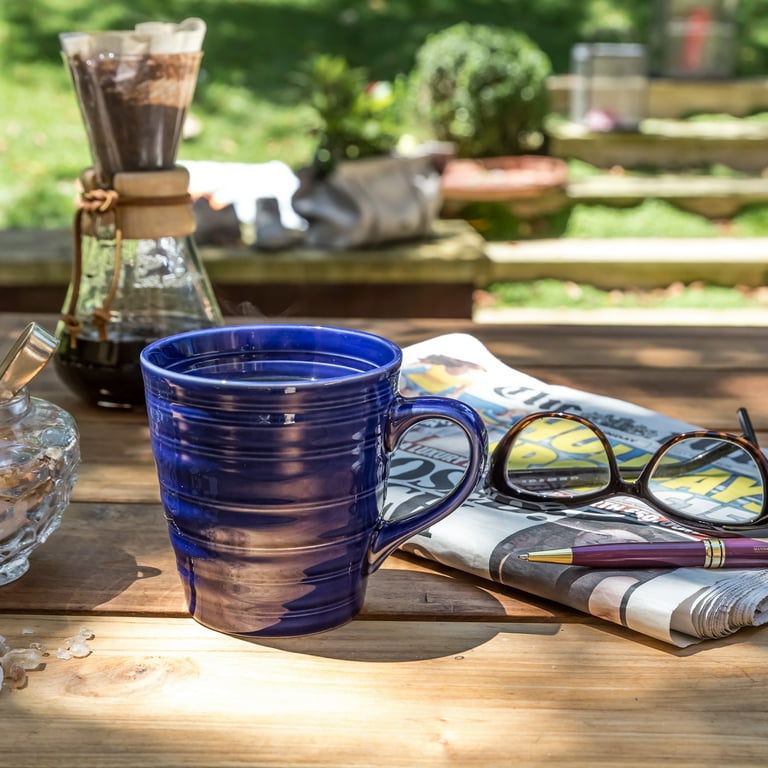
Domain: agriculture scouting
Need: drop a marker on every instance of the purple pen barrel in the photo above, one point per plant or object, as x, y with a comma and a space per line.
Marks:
708, 553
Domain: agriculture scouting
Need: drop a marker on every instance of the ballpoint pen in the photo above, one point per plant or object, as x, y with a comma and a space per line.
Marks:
706, 553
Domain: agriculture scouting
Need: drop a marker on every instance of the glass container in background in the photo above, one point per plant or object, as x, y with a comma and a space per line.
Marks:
610, 85
694, 38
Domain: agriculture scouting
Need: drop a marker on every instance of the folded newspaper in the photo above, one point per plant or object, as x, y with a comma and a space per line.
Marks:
484, 536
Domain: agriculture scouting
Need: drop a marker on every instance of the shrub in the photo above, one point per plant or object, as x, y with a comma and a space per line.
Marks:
483, 88
355, 117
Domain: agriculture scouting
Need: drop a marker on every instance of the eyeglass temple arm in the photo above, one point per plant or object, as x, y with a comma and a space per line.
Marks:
747, 428
705, 457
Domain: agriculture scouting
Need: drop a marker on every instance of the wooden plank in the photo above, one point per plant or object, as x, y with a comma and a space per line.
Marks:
618, 188
121, 441
452, 299
118, 466
109, 558
107, 483
698, 374
168, 693
700, 396
395, 279
584, 346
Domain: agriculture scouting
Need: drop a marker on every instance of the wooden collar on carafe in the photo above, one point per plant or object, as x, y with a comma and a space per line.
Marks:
140, 205
146, 205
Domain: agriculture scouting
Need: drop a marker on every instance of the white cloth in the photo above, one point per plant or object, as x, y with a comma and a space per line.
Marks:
241, 184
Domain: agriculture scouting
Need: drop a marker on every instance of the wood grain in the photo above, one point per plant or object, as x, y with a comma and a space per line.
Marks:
440, 669
554, 345
170, 694
116, 558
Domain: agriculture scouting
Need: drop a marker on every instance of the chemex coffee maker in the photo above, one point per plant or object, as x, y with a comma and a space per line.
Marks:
136, 273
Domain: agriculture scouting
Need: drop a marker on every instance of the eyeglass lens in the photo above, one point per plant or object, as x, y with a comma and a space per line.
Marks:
707, 479
559, 458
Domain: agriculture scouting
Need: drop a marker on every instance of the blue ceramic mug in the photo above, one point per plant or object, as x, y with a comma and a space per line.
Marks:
272, 445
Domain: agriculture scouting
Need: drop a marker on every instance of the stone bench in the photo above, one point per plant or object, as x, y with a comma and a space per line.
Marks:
427, 278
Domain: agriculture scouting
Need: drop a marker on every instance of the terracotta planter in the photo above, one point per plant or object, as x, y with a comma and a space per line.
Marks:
502, 178
508, 198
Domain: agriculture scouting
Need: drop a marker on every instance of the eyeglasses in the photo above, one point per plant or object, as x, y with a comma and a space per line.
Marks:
712, 480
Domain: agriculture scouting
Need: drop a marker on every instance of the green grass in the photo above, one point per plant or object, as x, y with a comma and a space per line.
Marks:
651, 218
244, 101
43, 145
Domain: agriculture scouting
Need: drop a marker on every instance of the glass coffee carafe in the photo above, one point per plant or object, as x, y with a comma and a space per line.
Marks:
136, 273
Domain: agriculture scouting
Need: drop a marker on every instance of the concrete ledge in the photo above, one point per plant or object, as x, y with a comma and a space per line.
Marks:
658, 145
709, 196
454, 255
638, 262
675, 97
713, 197
604, 317
30, 256
433, 277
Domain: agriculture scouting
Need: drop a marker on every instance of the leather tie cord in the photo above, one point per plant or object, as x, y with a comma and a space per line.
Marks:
93, 202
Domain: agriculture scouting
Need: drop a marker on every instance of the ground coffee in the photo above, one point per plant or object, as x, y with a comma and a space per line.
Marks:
134, 108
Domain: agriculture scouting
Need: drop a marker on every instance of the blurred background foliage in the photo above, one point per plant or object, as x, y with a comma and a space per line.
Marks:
255, 42
245, 104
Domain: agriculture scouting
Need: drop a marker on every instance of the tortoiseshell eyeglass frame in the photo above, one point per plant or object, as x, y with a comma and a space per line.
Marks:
627, 481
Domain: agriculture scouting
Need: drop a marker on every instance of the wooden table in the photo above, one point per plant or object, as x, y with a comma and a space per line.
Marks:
440, 669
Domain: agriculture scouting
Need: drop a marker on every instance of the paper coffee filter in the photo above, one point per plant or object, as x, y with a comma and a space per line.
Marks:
133, 89
148, 37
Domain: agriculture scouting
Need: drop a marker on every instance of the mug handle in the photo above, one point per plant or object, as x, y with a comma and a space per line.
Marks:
404, 414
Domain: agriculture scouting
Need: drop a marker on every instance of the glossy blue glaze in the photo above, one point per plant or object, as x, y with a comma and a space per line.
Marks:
272, 445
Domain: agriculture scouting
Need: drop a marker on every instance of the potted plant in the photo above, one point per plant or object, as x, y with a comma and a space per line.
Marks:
355, 118
484, 88
357, 190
